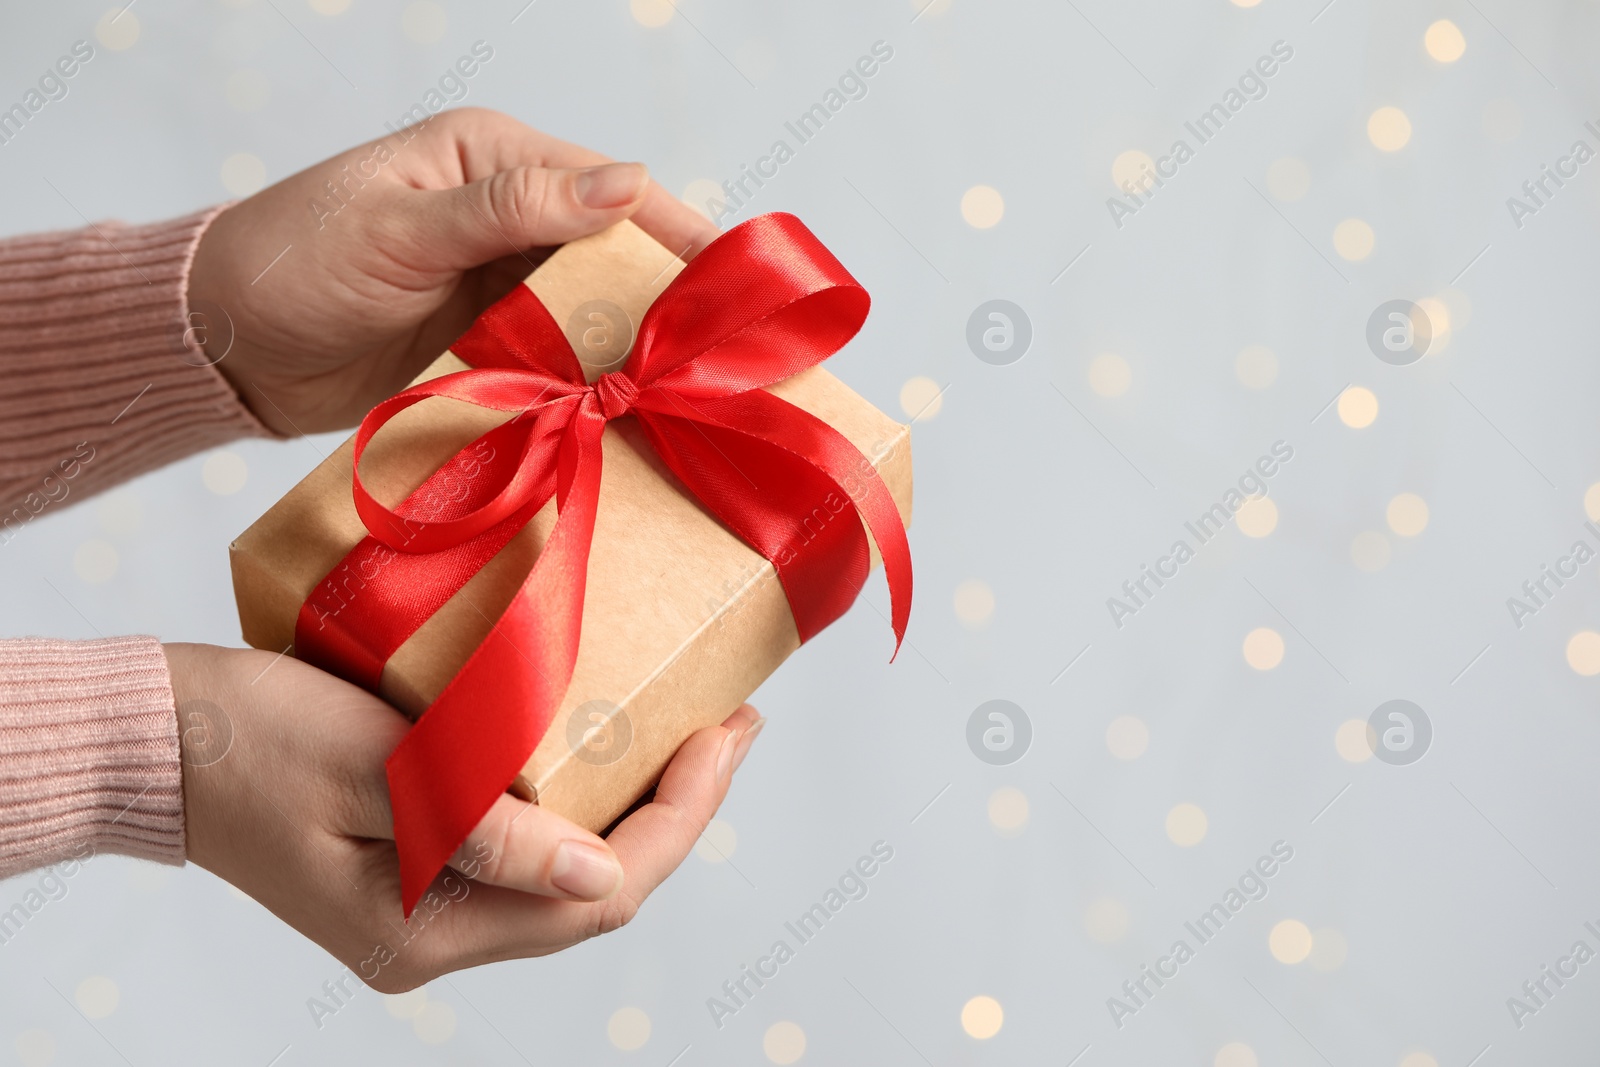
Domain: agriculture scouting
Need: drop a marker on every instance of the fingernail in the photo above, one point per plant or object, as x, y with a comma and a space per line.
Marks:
746, 741
611, 185
725, 757
586, 872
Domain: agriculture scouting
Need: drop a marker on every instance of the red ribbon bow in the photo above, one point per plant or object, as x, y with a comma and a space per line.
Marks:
761, 303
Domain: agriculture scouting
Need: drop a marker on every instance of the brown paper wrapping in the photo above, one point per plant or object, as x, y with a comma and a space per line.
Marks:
681, 621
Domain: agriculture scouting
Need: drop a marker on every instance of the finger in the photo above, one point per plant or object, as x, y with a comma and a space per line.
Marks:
525, 207
651, 843
679, 228
483, 143
654, 840
522, 846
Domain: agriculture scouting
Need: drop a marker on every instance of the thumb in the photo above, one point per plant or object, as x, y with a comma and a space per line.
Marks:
528, 207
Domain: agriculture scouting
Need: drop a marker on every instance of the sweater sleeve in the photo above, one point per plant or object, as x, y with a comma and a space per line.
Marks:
100, 380
88, 752
100, 375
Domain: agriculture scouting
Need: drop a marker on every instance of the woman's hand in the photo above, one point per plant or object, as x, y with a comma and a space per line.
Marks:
285, 797
393, 249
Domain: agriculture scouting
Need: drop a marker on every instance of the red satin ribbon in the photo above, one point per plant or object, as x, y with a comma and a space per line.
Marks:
761, 303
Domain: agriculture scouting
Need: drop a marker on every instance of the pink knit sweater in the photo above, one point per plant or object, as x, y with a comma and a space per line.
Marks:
95, 387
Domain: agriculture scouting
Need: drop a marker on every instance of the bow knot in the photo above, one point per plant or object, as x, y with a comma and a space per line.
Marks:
616, 393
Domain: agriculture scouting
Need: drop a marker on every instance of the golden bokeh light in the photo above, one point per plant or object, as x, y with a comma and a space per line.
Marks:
118, 28
1351, 741
435, 1023
243, 174
1388, 129
1583, 653
407, 1005
974, 603
1407, 514
1109, 374
1263, 648
717, 842
1127, 737
1186, 825
424, 22
97, 996
982, 206
1132, 168
1358, 407
705, 196
1256, 367
1235, 1054
628, 1028
921, 398
1105, 920
982, 1017
1008, 810
1289, 941
1444, 41
1354, 240
652, 13
96, 561
1438, 327
784, 1042
1257, 517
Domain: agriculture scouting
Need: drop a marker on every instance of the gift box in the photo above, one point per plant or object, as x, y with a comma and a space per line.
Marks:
681, 618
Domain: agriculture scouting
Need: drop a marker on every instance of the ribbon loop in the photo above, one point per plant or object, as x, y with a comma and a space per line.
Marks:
761, 303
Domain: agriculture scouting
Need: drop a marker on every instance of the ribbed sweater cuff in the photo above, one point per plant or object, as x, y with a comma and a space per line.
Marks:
98, 357
88, 752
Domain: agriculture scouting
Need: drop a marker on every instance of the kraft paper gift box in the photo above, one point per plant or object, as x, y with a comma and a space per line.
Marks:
681, 621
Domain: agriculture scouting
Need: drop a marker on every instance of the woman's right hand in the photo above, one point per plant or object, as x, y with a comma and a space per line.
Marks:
285, 797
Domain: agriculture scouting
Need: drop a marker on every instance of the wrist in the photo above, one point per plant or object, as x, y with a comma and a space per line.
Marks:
210, 333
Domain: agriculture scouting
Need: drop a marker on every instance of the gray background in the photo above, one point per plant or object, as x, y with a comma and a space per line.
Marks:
1451, 881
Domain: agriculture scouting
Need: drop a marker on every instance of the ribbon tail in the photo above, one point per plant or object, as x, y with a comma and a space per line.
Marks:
759, 416
468, 747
